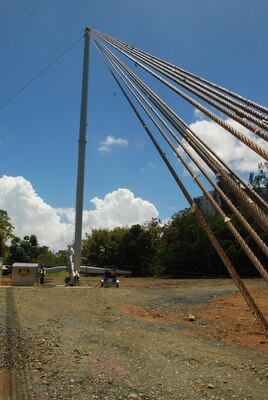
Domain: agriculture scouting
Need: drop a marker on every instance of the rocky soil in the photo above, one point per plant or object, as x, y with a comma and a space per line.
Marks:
135, 342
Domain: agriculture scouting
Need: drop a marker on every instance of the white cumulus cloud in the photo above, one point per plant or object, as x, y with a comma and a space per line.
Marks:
55, 227
31, 215
199, 115
226, 146
107, 144
119, 208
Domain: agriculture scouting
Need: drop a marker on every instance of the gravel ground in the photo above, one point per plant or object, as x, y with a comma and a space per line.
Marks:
135, 342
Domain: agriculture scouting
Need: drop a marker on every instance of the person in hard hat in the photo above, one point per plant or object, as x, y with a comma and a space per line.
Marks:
42, 274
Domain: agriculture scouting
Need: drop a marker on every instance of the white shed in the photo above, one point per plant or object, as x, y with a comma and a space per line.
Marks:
25, 274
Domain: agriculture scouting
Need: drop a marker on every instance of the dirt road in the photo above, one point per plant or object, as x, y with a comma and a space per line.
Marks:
135, 342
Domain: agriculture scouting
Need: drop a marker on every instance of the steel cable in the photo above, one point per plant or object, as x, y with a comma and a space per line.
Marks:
227, 220
231, 171
260, 217
40, 73
196, 83
198, 90
242, 288
248, 142
192, 75
153, 61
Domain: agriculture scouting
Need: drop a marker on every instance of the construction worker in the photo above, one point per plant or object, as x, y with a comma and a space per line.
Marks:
42, 274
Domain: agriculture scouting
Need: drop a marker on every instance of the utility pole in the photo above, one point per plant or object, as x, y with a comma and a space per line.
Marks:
81, 157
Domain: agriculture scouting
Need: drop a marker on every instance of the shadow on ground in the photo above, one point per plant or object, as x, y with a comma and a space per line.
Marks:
17, 378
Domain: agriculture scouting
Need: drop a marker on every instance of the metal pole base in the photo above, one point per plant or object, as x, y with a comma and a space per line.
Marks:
74, 281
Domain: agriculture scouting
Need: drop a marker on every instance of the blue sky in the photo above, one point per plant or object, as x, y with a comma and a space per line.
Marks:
223, 41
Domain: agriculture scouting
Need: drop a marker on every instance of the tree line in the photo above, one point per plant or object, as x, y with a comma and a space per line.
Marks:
178, 248
26, 249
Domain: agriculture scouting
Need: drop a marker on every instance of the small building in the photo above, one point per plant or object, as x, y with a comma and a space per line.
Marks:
25, 274
205, 205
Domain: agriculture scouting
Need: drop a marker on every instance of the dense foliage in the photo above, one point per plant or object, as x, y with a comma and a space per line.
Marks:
28, 250
133, 248
260, 179
179, 248
6, 229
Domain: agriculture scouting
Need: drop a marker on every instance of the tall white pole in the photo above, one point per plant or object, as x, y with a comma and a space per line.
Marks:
81, 157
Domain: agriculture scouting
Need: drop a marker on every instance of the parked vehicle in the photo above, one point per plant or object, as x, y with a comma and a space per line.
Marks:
110, 277
6, 270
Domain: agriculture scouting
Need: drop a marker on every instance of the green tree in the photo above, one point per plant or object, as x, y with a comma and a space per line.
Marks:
46, 256
61, 257
184, 248
154, 229
261, 178
133, 248
101, 247
24, 250
16, 252
6, 230
136, 250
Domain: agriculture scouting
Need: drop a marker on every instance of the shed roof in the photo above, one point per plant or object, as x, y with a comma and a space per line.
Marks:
26, 265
